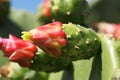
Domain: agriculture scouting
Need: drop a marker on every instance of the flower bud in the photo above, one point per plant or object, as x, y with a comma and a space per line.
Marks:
18, 50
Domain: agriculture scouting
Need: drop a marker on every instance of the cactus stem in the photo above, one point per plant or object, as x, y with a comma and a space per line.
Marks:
76, 47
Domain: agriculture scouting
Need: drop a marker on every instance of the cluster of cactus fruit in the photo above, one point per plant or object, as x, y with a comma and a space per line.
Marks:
56, 40
75, 11
61, 42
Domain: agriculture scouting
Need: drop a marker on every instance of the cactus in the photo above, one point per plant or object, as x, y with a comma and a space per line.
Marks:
79, 39
18, 50
74, 11
62, 47
51, 38
43, 62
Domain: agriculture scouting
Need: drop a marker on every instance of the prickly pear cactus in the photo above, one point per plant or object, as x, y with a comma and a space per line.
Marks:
60, 46
61, 49
63, 45
74, 11
73, 42
80, 40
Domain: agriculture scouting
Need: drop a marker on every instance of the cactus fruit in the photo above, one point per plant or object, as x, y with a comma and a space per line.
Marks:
59, 10
4, 9
60, 46
80, 43
18, 50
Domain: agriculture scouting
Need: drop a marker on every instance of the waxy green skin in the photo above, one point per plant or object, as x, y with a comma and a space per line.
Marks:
43, 62
75, 11
82, 43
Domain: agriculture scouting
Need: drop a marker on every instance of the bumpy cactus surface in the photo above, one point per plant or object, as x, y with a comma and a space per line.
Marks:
61, 47
55, 38
80, 43
74, 11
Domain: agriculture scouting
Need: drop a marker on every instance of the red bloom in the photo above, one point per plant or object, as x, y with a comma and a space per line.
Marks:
116, 33
18, 50
46, 5
50, 38
109, 28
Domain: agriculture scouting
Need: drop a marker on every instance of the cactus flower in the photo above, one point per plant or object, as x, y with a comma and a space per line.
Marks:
109, 28
57, 39
50, 38
18, 50
116, 33
46, 5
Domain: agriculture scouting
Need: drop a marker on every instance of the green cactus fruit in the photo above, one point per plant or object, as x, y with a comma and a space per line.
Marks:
76, 43
74, 11
43, 62
82, 43
4, 9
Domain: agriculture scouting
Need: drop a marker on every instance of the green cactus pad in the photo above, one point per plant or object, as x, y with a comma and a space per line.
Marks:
82, 43
74, 11
43, 62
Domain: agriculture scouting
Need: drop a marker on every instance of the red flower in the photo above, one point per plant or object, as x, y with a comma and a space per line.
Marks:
50, 38
110, 28
46, 5
18, 50
116, 33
